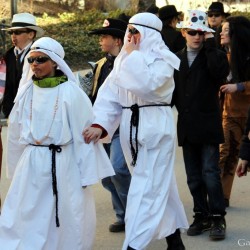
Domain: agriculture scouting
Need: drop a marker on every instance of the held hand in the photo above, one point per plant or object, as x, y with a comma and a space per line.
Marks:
229, 88
242, 168
132, 45
91, 134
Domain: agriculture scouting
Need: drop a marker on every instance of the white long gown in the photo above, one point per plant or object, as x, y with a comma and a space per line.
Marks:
154, 209
27, 221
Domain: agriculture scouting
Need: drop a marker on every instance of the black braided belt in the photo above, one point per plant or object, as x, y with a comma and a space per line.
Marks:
54, 149
134, 121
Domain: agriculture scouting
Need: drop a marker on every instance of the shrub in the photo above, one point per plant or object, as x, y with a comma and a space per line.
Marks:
71, 30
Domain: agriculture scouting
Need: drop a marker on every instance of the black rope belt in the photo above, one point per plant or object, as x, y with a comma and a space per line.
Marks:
54, 149
134, 121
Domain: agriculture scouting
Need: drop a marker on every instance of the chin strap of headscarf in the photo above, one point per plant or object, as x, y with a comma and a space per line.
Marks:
134, 122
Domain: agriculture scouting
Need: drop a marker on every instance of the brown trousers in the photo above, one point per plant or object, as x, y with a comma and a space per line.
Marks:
229, 151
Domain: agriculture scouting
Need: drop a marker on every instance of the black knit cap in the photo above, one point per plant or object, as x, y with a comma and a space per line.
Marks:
113, 27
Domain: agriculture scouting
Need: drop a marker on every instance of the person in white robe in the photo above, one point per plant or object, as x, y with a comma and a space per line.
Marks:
50, 205
137, 95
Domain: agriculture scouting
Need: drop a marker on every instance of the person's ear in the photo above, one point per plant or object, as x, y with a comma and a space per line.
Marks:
183, 32
32, 35
120, 42
54, 64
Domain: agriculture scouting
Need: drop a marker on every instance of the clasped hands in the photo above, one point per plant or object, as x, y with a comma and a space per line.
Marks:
91, 134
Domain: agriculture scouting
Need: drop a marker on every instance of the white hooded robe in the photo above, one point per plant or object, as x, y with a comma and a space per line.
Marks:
57, 116
145, 77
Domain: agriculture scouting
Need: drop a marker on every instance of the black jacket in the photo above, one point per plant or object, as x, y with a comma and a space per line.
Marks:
13, 77
196, 95
173, 39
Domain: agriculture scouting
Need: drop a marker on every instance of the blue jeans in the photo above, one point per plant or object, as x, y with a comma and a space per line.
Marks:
118, 184
203, 178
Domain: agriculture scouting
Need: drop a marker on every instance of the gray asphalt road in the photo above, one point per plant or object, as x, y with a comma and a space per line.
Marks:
238, 215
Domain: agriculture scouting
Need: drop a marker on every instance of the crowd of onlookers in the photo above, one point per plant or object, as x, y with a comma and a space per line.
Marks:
198, 62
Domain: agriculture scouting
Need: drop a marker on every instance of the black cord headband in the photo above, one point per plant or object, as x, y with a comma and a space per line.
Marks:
145, 26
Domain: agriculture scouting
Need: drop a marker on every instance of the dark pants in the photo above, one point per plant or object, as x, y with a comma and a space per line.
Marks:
203, 178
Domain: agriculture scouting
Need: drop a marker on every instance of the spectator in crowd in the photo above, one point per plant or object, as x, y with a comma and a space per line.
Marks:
202, 70
244, 162
172, 37
111, 41
23, 32
216, 16
235, 36
50, 204
137, 95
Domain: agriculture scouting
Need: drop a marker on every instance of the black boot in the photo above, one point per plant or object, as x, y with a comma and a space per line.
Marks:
174, 241
201, 224
218, 228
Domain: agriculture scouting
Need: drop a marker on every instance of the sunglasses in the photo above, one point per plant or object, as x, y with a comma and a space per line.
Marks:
214, 14
195, 32
17, 32
133, 31
38, 60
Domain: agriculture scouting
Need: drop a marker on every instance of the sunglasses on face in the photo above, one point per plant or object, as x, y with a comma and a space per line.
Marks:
195, 32
214, 14
38, 60
133, 31
17, 32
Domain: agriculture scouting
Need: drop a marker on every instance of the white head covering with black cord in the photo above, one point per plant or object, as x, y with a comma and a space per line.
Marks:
152, 47
151, 42
55, 51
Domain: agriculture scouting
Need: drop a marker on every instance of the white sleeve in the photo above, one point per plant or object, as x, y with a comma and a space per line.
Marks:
92, 160
107, 108
14, 147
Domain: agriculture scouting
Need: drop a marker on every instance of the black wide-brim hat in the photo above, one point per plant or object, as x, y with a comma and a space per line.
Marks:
217, 7
168, 11
113, 27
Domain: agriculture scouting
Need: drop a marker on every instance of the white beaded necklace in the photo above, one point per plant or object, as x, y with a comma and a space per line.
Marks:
39, 142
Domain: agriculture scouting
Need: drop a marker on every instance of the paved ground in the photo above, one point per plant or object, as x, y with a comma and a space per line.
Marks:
238, 215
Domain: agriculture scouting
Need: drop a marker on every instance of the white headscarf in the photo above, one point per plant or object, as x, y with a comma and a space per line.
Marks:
55, 51
151, 42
